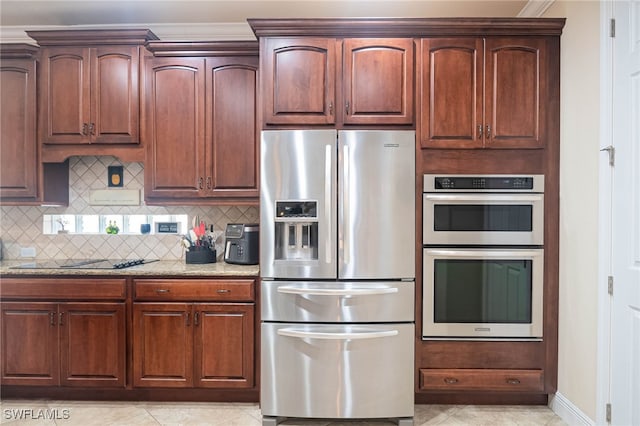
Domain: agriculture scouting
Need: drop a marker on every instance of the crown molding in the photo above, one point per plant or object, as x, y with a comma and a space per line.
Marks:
535, 8
170, 32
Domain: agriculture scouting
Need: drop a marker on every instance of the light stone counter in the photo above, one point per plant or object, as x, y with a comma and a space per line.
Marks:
175, 268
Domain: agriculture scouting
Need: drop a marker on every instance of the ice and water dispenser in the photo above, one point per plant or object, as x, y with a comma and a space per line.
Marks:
296, 229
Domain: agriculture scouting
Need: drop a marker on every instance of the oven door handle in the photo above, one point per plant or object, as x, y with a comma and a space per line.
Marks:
289, 332
504, 198
337, 292
484, 254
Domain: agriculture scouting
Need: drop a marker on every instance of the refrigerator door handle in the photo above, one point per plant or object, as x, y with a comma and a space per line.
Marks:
346, 226
290, 332
337, 292
327, 200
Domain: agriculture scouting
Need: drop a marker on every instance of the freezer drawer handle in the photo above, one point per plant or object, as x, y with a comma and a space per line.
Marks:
337, 292
335, 336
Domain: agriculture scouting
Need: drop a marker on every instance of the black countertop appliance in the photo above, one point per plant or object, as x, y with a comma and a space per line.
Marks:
241, 243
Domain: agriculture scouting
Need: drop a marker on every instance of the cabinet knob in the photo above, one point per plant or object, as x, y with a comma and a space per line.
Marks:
450, 380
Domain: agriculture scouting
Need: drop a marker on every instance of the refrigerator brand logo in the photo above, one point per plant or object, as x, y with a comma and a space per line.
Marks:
391, 145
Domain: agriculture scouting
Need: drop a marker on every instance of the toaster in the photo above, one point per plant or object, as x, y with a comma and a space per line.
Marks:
241, 243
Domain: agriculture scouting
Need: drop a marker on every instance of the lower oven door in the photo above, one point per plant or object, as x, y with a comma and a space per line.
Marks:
337, 371
482, 293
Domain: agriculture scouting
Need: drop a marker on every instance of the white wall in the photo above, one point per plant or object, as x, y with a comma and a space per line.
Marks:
579, 156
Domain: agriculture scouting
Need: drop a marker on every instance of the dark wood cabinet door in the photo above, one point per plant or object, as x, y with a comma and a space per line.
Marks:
18, 144
65, 94
452, 97
378, 81
515, 87
175, 125
298, 80
92, 339
224, 352
162, 345
29, 344
231, 127
114, 94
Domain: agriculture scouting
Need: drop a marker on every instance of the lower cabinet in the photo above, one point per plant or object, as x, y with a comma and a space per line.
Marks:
204, 344
68, 344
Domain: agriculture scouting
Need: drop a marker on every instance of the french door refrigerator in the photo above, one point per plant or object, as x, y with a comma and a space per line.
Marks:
337, 262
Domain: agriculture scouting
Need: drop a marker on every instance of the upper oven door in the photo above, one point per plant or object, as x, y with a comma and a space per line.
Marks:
483, 219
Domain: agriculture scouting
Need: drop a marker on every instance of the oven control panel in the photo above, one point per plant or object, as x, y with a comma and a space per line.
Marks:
483, 183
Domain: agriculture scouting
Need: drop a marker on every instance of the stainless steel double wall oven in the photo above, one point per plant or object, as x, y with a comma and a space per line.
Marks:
337, 262
483, 256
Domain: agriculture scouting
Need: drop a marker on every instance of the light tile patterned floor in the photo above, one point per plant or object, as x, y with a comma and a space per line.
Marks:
86, 413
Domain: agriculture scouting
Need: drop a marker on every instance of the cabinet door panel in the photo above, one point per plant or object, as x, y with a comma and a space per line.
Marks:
29, 344
66, 95
18, 159
163, 345
298, 80
231, 127
515, 87
224, 345
93, 350
452, 76
378, 81
175, 127
114, 94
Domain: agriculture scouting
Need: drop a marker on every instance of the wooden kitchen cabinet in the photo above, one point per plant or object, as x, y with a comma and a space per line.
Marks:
484, 92
18, 144
327, 81
67, 344
201, 125
510, 380
69, 332
203, 344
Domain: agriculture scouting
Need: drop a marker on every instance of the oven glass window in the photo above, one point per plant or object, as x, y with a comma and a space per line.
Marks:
483, 217
482, 291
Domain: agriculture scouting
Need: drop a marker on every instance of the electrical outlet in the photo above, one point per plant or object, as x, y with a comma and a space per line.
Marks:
27, 252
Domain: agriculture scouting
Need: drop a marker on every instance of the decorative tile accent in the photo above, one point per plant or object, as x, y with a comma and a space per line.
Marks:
21, 226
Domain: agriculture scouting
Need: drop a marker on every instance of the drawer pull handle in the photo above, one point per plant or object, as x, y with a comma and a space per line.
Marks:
450, 380
223, 290
52, 318
162, 290
513, 381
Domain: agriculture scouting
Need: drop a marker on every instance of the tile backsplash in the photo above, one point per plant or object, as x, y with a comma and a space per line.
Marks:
21, 226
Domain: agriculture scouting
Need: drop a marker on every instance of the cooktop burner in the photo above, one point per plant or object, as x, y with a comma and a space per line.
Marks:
83, 264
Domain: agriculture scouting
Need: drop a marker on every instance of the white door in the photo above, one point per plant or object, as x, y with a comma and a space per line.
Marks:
625, 315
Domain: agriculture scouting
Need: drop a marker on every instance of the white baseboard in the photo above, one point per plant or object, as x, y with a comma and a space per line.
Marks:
567, 411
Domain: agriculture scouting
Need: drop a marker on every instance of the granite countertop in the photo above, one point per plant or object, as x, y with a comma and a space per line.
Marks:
160, 268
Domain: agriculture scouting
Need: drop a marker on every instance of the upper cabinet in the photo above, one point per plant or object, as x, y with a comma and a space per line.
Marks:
484, 92
18, 145
315, 73
90, 88
201, 123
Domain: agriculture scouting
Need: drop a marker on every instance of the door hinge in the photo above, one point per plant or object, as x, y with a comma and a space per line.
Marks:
612, 154
610, 284
608, 413
612, 28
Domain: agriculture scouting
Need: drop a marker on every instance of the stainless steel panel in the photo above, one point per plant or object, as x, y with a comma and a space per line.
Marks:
296, 301
483, 330
298, 165
431, 236
376, 202
337, 371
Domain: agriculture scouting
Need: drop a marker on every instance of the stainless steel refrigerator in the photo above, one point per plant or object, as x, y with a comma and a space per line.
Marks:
337, 262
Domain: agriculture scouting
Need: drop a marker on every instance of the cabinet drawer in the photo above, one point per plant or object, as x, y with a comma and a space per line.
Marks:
482, 380
67, 288
196, 290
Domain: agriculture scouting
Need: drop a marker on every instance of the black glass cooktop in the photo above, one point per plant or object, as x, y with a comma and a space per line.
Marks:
83, 264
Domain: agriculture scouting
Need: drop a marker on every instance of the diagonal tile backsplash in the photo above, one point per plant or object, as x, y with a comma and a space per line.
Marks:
21, 226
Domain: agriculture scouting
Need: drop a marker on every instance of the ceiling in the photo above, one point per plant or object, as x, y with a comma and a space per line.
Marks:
185, 19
